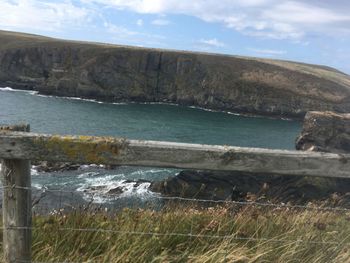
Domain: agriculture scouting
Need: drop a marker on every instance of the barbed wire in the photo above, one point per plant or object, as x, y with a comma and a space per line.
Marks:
26, 261
190, 234
281, 205
141, 233
184, 199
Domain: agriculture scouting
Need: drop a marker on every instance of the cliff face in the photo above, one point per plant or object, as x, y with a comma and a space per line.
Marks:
119, 73
326, 132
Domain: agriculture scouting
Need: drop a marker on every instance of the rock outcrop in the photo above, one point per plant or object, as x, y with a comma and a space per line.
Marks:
238, 186
322, 131
49, 167
121, 73
326, 132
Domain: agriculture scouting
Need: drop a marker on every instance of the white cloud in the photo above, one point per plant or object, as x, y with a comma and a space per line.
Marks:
61, 16
122, 32
212, 42
40, 15
270, 52
139, 22
276, 19
122, 35
160, 22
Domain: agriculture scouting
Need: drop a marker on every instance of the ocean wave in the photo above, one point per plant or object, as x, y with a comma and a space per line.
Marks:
34, 171
37, 186
155, 103
105, 193
6, 89
150, 171
88, 174
32, 92
68, 98
248, 115
79, 99
220, 111
89, 166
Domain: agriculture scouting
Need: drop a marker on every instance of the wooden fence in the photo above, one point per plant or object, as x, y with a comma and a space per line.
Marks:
18, 147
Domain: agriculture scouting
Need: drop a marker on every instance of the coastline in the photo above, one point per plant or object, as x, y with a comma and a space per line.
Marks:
250, 115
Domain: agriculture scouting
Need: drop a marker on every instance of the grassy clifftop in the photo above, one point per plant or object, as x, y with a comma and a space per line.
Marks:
123, 73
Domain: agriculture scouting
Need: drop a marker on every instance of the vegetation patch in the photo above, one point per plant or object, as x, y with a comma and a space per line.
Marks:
188, 233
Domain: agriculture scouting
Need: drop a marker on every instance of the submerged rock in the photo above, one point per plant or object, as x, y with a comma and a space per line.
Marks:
116, 191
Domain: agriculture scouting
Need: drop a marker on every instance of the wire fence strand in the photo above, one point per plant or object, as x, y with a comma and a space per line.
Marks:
185, 199
190, 235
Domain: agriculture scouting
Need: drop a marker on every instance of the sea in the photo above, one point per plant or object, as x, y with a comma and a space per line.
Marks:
92, 184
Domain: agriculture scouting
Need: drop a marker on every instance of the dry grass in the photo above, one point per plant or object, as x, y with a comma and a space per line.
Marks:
278, 235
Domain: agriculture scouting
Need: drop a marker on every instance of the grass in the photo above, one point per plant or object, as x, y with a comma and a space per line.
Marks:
275, 234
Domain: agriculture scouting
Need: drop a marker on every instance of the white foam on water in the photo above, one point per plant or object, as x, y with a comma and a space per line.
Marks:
80, 99
119, 103
156, 103
68, 98
100, 187
37, 186
34, 171
221, 111
6, 89
135, 102
151, 171
104, 193
88, 174
103, 179
89, 166
233, 113
32, 92
241, 114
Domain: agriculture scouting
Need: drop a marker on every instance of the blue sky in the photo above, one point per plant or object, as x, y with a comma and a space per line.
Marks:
312, 31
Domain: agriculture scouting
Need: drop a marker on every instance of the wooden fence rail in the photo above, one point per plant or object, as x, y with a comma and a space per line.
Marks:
17, 148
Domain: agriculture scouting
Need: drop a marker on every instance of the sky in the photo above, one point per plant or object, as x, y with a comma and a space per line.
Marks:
311, 31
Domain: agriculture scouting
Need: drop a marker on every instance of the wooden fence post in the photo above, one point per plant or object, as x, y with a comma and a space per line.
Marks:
16, 206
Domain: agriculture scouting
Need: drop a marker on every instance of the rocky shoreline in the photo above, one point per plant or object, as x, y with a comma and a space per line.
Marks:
322, 131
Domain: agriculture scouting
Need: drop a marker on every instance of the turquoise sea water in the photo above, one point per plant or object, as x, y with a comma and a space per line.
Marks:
135, 121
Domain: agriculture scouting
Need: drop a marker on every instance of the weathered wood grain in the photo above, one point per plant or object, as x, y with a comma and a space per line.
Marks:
117, 151
17, 207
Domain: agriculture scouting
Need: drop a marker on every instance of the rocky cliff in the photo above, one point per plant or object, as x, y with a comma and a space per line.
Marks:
120, 73
326, 132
